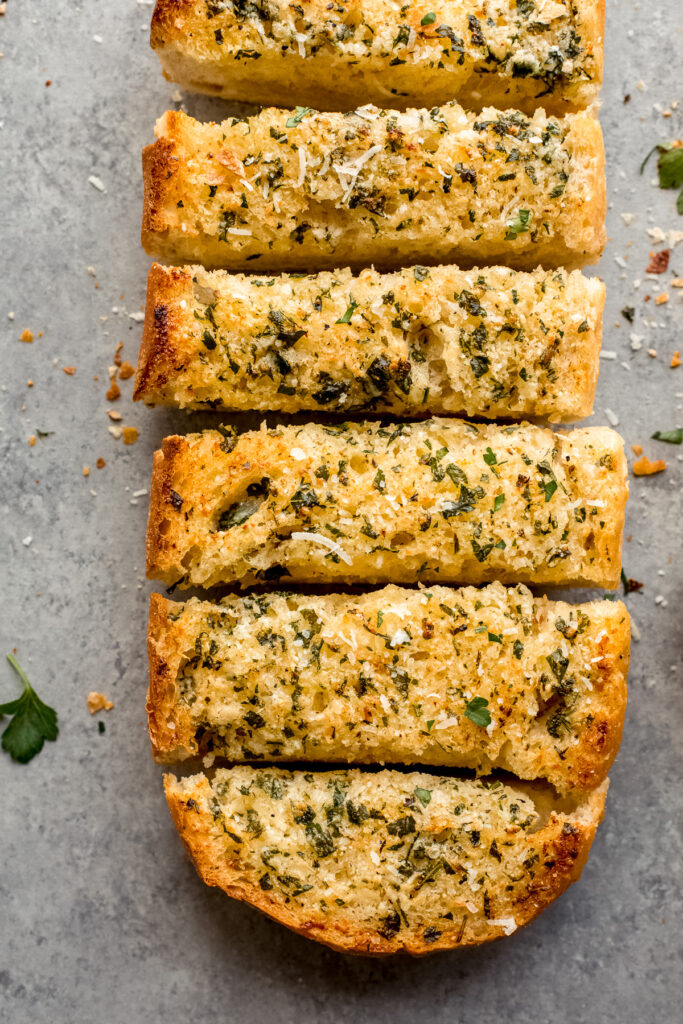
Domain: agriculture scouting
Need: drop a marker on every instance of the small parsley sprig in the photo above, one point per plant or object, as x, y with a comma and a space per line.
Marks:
669, 167
32, 724
477, 710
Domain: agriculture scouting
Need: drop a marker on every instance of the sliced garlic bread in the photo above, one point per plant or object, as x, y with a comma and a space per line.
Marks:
384, 862
485, 342
482, 679
437, 501
501, 52
285, 190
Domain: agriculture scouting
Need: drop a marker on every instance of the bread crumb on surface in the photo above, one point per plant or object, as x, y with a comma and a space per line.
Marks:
69, 370
643, 467
659, 262
26, 336
127, 370
130, 435
117, 354
86, 471
675, 359
98, 702
114, 392
32, 440
637, 449
100, 463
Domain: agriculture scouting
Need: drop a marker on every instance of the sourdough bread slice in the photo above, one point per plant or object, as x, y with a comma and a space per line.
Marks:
384, 862
279, 191
435, 501
486, 342
481, 679
503, 52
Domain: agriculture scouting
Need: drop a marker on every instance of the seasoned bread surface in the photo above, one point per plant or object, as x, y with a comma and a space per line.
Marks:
384, 862
435, 501
288, 190
502, 52
482, 679
485, 342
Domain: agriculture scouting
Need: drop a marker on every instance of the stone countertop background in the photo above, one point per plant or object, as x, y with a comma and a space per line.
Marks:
102, 916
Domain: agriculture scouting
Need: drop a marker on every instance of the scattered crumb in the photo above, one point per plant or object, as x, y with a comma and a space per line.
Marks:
69, 370
98, 702
675, 359
97, 183
27, 541
100, 463
32, 441
29, 383
130, 435
643, 467
127, 370
26, 336
114, 392
117, 354
677, 282
86, 471
659, 262
652, 352
116, 432
114, 415
637, 449
662, 299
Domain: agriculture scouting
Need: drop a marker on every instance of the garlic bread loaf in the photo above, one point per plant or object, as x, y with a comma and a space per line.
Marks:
433, 501
482, 679
486, 342
384, 862
302, 190
502, 52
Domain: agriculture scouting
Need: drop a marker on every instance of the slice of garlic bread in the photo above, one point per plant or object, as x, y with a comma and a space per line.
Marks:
438, 501
279, 191
485, 342
481, 679
502, 52
384, 862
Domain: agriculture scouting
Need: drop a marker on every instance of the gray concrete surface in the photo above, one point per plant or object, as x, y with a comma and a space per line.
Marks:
102, 918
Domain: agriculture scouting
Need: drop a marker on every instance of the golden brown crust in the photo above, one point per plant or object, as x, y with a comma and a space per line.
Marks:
400, 61
196, 210
210, 340
575, 756
560, 847
428, 540
162, 708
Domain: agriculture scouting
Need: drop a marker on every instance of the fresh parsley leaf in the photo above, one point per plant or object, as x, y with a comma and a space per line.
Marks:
519, 225
549, 489
670, 436
477, 710
420, 273
498, 502
346, 318
298, 117
423, 795
32, 724
490, 457
669, 168
429, 19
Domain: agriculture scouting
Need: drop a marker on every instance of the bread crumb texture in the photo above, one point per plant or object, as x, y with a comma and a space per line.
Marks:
436, 501
508, 52
283, 191
485, 342
383, 862
393, 676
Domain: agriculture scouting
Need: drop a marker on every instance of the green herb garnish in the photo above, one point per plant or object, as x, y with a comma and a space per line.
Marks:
670, 436
32, 724
477, 710
669, 168
298, 117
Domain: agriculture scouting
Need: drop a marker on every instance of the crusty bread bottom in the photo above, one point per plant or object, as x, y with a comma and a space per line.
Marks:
380, 863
